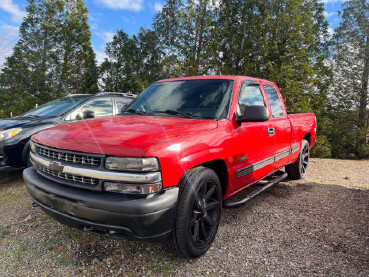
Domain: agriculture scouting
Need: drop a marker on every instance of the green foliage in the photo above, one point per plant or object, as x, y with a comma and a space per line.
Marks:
53, 56
132, 63
349, 99
322, 148
279, 41
363, 152
186, 30
284, 41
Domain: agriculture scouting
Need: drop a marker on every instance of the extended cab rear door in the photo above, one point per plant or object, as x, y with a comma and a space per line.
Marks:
279, 125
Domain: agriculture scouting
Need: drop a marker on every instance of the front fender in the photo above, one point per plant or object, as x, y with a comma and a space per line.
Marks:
17, 148
173, 169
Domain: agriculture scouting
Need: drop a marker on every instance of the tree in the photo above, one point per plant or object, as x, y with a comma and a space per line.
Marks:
186, 29
350, 84
282, 41
53, 56
132, 63
78, 71
5, 49
6, 45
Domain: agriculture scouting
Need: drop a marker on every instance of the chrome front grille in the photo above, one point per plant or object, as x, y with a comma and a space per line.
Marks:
82, 170
68, 157
68, 177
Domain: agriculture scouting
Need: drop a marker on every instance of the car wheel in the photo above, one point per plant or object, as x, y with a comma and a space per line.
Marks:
198, 213
298, 169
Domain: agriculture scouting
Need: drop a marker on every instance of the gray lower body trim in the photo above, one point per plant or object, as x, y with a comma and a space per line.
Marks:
295, 149
251, 168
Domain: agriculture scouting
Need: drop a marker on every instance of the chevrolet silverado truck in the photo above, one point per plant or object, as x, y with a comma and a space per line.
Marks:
164, 169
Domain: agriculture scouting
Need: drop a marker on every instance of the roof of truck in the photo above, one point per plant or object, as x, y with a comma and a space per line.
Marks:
215, 77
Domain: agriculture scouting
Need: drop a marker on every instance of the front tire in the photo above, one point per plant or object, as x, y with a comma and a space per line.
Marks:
298, 169
28, 161
198, 213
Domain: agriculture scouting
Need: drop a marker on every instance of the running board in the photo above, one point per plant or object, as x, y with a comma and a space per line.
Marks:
255, 193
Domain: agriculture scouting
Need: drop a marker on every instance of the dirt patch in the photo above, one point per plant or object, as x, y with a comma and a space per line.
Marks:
348, 173
298, 228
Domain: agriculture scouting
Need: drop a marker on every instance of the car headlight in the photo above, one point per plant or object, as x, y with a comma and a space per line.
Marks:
7, 134
132, 164
32, 146
132, 188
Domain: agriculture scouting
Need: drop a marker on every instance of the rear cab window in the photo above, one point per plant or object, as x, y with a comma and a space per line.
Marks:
274, 101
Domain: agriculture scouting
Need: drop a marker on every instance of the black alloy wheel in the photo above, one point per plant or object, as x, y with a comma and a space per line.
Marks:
205, 212
305, 156
198, 212
298, 169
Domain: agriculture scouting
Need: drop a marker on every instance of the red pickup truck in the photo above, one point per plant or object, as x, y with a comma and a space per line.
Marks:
163, 170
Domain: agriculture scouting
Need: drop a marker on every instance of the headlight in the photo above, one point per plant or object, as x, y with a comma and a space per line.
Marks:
7, 134
33, 147
132, 164
132, 188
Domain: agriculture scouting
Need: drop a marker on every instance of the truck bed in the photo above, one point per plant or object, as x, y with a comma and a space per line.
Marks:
302, 123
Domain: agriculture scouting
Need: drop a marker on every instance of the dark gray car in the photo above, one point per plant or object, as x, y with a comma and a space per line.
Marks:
16, 132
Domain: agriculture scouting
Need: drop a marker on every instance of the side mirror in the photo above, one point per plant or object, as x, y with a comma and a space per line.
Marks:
253, 114
88, 114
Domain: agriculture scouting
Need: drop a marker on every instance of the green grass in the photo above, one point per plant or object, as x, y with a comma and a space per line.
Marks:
9, 197
4, 231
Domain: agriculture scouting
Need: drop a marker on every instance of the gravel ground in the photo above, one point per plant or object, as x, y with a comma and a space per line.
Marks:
316, 227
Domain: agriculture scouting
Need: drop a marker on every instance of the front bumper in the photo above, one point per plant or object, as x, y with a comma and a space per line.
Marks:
2, 155
3, 164
11, 156
149, 218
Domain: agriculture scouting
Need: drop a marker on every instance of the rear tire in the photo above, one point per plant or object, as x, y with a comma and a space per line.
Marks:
298, 169
198, 213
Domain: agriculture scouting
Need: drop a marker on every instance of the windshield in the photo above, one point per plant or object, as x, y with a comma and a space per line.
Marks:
207, 99
57, 107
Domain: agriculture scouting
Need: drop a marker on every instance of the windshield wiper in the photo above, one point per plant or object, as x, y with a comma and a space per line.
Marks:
135, 112
174, 112
35, 116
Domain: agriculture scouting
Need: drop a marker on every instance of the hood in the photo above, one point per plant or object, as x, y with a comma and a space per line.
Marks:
127, 135
15, 122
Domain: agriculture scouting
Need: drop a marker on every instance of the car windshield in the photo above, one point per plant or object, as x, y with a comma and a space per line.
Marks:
57, 107
204, 98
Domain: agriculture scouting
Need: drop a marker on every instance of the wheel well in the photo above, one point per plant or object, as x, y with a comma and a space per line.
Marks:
220, 168
25, 151
308, 138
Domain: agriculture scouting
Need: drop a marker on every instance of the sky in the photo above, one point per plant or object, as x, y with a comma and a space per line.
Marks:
108, 16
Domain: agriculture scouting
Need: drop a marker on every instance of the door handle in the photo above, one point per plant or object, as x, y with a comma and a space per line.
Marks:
270, 132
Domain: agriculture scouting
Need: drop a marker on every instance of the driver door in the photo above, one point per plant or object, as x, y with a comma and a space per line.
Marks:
254, 143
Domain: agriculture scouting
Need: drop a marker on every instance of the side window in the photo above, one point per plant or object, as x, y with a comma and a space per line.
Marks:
76, 114
100, 106
122, 103
250, 95
274, 101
